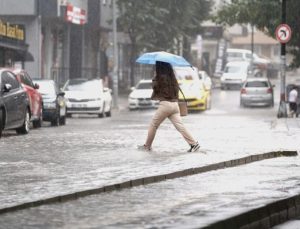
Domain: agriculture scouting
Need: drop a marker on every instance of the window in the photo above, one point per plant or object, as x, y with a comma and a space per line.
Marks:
232, 69
257, 84
144, 85
249, 56
9, 78
25, 79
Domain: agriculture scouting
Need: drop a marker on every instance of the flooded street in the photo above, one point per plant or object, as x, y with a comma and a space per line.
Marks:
90, 153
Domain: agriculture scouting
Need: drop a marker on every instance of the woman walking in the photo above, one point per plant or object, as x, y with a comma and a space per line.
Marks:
166, 89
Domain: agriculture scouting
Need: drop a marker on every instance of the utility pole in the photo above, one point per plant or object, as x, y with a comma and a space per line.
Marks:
282, 111
115, 69
252, 50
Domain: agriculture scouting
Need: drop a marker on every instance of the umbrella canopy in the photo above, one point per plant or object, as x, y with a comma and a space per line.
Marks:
152, 57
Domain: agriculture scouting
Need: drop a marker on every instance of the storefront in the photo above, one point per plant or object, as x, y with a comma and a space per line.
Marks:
13, 47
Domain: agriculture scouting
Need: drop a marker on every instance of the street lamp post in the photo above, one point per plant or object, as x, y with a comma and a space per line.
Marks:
115, 68
252, 50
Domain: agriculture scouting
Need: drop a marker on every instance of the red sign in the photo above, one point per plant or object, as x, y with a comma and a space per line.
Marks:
283, 33
75, 15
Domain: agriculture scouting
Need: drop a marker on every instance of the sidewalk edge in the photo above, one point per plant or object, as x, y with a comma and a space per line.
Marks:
150, 180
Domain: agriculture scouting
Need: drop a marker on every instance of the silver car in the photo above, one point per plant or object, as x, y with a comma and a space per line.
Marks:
257, 91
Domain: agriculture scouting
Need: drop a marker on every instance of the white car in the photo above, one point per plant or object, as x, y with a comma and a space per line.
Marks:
140, 96
87, 97
235, 74
244, 55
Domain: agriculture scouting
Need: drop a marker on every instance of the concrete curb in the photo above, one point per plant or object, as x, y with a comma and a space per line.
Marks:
149, 180
267, 216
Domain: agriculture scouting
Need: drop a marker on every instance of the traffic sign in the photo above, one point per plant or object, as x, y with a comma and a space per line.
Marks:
283, 33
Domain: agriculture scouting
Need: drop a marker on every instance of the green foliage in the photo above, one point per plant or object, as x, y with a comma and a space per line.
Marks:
266, 16
157, 24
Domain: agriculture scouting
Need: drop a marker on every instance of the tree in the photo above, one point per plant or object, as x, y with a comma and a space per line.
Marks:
266, 16
154, 25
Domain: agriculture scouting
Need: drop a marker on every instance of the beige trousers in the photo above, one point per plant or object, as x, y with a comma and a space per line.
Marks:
168, 110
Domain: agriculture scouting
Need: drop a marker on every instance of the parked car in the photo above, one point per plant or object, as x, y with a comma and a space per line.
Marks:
86, 96
193, 88
14, 104
35, 98
140, 96
54, 102
257, 91
235, 74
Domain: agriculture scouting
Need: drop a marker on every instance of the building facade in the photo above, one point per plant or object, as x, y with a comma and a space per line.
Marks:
62, 38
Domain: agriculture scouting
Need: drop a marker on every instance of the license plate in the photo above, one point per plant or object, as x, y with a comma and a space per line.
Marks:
144, 102
78, 105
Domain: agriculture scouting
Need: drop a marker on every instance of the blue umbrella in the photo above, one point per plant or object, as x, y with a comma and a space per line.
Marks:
152, 57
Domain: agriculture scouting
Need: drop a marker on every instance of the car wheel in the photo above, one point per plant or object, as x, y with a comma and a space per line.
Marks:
1, 122
38, 123
62, 120
55, 121
101, 115
108, 113
208, 103
242, 104
24, 129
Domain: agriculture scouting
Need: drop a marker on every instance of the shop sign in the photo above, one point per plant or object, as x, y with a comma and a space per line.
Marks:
12, 31
75, 15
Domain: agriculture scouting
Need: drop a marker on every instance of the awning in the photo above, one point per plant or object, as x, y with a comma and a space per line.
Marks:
23, 56
21, 52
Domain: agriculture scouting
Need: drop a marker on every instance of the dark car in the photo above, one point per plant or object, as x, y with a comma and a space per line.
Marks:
14, 104
35, 98
54, 103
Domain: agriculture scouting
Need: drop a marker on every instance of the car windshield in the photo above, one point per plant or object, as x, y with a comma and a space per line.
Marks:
46, 88
234, 55
232, 69
144, 85
257, 84
83, 85
187, 73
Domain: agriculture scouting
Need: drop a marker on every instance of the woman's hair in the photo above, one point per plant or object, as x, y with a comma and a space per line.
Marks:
166, 77
164, 69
